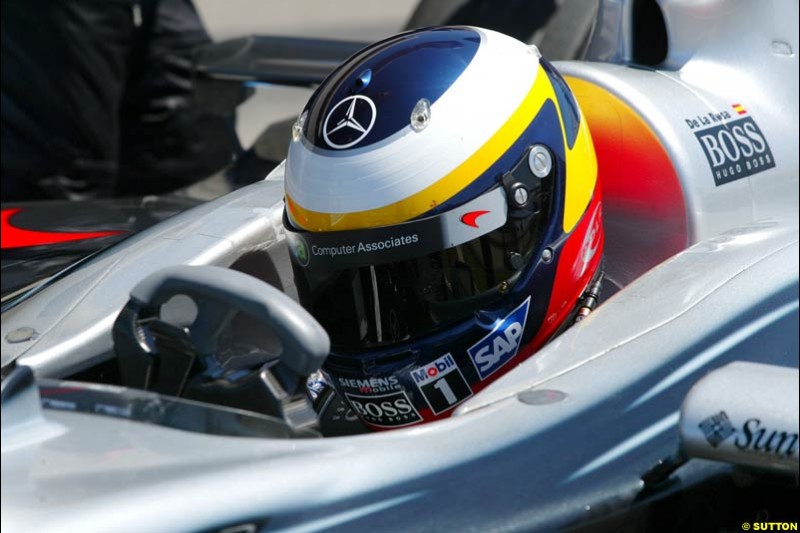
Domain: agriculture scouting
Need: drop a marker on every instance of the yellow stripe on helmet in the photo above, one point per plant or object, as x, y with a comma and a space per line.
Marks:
446, 187
581, 176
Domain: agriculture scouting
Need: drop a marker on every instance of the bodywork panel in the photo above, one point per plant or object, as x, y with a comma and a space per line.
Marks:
42, 238
561, 441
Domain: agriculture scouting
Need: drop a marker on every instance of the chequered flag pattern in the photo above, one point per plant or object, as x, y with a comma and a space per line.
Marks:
717, 428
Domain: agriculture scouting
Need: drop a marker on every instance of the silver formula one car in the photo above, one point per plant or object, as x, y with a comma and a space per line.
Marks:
160, 384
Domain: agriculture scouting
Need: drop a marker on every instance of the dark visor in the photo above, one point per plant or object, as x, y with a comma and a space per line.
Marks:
380, 286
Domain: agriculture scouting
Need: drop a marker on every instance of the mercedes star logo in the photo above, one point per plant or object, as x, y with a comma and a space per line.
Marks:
347, 125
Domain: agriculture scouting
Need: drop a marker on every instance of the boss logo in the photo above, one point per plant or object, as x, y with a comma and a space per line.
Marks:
735, 150
385, 410
501, 345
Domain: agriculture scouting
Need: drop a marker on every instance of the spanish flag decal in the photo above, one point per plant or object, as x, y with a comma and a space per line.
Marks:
739, 108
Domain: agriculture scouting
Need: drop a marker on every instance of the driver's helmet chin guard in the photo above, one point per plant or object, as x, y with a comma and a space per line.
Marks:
443, 216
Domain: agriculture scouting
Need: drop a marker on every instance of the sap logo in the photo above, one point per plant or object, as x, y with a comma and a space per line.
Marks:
735, 150
498, 347
428, 372
386, 410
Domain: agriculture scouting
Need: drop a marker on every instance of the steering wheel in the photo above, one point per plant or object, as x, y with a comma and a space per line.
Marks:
155, 355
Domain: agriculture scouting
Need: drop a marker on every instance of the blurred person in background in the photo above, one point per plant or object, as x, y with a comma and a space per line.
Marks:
97, 100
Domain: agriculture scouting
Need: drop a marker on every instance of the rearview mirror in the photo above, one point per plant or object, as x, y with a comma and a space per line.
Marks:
745, 414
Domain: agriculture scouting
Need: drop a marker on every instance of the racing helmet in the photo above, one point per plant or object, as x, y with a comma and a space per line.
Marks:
443, 216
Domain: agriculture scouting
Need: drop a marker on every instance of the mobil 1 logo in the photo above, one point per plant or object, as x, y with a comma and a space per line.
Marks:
442, 384
735, 150
385, 410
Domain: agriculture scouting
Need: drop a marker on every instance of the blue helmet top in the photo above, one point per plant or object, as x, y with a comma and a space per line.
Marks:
394, 74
